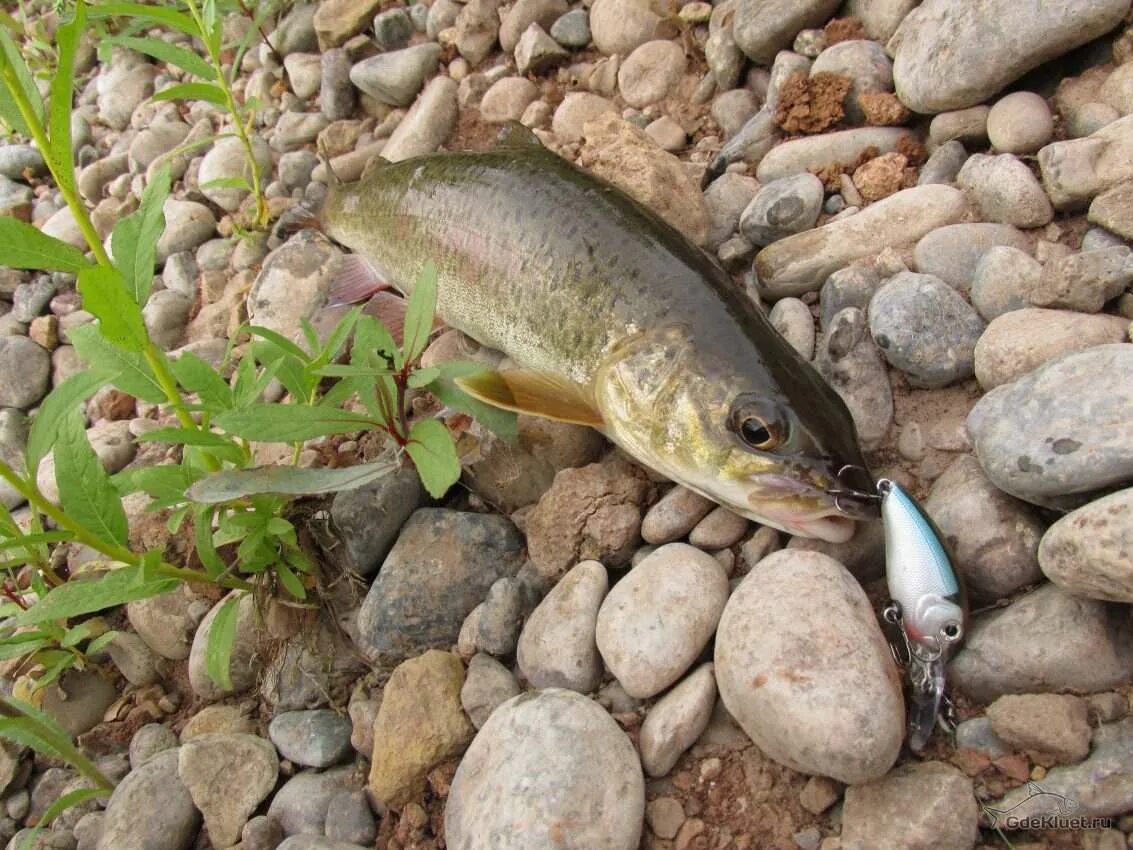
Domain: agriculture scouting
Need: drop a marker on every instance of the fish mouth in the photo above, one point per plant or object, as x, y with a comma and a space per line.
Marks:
817, 505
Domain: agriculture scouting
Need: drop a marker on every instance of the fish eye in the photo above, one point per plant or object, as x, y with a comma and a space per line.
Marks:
757, 425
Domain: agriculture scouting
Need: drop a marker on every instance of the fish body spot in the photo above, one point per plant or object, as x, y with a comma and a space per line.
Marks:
1065, 446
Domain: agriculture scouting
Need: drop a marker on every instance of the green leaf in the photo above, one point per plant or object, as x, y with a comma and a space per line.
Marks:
85, 492
226, 183
217, 444
120, 318
169, 481
289, 423
60, 149
34, 539
127, 371
419, 313
197, 376
423, 377
75, 598
502, 423
202, 538
168, 53
101, 642
157, 14
285, 480
338, 337
15, 73
221, 637
134, 239
53, 410
207, 92
29, 726
290, 581
371, 337
281, 342
60, 805
25, 247
434, 454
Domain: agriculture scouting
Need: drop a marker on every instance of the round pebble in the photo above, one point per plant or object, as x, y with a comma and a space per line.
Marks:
1020, 123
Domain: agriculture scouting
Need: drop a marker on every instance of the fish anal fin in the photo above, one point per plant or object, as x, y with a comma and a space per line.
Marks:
356, 280
535, 393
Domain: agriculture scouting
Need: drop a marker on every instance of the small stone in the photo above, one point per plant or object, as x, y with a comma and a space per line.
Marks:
477, 27
676, 721
864, 63
148, 741
1113, 210
650, 72
668, 134
134, 660
719, 530
507, 99
781, 208
396, 78
337, 20
227, 160
1005, 190
849, 287
726, 198
501, 617
576, 110
295, 169
296, 32
78, 700
487, 686
392, 29
350, 819
939, 806
262, 832
427, 125
25, 371
17, 161
1088, 118
881, 177
1086, 551
852, 363
648, 647
300, 805
675, 515
318, 738
733, 109
819, 794
976, 734
620, 26
665, 815
369, 518
243, 666
1085, 281
953, 253
304, 72
1052, 728
228, 776
1020, 123
1003, 281
943, 164
792, 318
336, 92
165, 622
523, 14
151, 808
537, 51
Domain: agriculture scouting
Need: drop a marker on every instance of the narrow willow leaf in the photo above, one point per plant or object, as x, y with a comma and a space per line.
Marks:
170, 54
202, 538
217, 444
85, 492
67, 801
21, 718
75, 598
434, 454
338, 337
120, 318
34, 539
134, 239
281, 342
62, 92
290, 581
138, 11
288, 423
53, 410
169, 481
233, 484
419, 313
221, 637
25, 247
15, 72
124, 370
193, 91
227, 183
197, 376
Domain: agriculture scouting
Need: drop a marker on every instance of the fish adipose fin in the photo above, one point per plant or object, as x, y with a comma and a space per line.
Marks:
355, 281
536, 393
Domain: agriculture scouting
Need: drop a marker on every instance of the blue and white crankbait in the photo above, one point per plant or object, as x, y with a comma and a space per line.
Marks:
928, 610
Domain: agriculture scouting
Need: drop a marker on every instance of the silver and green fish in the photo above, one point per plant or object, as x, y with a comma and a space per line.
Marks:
616, 321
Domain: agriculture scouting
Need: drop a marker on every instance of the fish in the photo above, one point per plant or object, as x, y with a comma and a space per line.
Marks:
929, 605
614, 320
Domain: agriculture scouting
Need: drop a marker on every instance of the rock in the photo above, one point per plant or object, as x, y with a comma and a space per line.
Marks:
523, 14
726, 199
557, 648
501, 617
62, 226
880, 18
440, 568
1052, 728
1087, 551
733, 109
721, 529
1020, 123
369, 518
943, 165
781, 208
135, 661
166, 316
487, 686
78, 700
336, 92
665, 815
620, 26
867, 66
350, 819
925, 329
25, 372
651, 72
314, 842
1003, 281
112, 444
572, 29
851, 362
295, 129
1113, 210
952, 253
408, 742
313, 668
18, 160
261, 833
648, 645
122, 86
396, 78
1076, 170
1086, 281
803, 667
675, 515
243, 667
228, 776
293, 283
477, 26
814, 153
979, 55
427, 125
1073, 644
507, 99
148, 741
1087, 119
1099, 785
801, 263
217, 718
151, 808
296, 32
1005, 190
392, 29
676, 721
295, 169
151, 143
304, 73
318, 738
993, 537
937, 802
667, 133
764, 27
589, 513
577, 110
165, 622
1117, 90
336, 21
226, 160
545, 759
1057, 431
1021, 341
537, 51
300, 805
622, 154
849, 287
976, 734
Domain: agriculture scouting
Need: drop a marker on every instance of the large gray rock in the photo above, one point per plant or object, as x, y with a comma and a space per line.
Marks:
1072, 644
1060, 430
369, 518
1090, 551
293, 283
151, 809
802, 263
396, 78
764, 27
25, 370
803, 667
811, 153
441, 568
956, 53
543, 760
228, 775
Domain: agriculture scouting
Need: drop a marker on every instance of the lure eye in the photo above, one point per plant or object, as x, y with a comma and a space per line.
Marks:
951, 632
757, 425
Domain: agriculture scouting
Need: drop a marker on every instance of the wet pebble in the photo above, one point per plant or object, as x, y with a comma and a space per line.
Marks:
781, 208
1003, 281
676, 720
316, 738
1087, 551
1020, 123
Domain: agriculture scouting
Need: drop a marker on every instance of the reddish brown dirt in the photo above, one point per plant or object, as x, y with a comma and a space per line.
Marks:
812, 104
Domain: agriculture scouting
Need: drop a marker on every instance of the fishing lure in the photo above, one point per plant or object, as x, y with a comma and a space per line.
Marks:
928, 612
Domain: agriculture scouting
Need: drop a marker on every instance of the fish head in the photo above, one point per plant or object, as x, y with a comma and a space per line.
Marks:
734, 434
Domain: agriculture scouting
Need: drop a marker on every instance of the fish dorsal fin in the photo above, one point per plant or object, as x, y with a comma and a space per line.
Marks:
376, 164
515, 136
535, 393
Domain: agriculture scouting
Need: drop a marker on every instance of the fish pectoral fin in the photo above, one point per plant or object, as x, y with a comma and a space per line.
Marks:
535, 393
390, 309
356, 280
